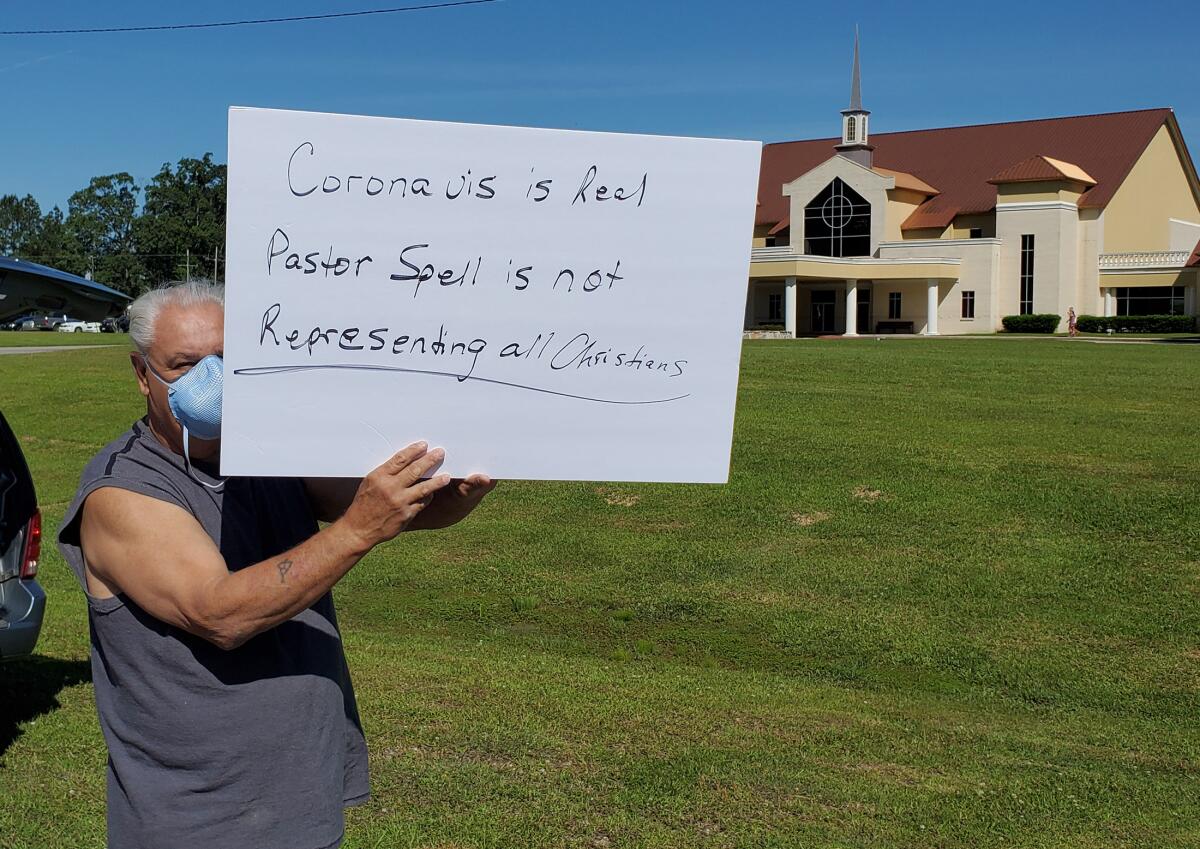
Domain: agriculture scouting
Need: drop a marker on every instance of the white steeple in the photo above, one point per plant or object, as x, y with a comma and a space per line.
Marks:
854, 118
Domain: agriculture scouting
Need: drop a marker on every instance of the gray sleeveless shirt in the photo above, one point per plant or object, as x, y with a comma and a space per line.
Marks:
259, 746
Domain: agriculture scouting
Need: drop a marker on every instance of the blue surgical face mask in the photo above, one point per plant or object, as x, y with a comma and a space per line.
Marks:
195, 399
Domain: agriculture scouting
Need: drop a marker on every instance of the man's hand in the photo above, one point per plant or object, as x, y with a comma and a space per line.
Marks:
393, 496
453, 503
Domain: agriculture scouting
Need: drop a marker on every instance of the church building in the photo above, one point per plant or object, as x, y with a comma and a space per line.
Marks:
947, 231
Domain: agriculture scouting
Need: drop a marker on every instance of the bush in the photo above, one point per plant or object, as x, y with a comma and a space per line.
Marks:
1136, 323
1042, 322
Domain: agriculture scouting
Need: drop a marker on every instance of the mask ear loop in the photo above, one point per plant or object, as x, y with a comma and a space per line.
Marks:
187, 465
187, 457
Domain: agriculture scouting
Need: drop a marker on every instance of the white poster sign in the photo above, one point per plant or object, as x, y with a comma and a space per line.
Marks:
544, 304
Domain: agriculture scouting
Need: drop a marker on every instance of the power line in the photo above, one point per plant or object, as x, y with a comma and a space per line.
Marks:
213, 25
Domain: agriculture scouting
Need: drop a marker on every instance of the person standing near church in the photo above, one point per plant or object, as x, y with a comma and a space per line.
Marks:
220, 679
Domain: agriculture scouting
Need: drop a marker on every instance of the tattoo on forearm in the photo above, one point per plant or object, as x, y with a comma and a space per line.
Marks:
283, 566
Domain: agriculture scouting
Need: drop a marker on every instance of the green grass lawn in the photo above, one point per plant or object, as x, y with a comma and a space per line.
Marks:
949, 598
41, 338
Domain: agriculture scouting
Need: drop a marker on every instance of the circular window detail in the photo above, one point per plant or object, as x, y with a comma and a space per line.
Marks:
837, 222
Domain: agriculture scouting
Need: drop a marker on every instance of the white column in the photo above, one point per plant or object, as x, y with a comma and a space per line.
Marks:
851, 307
1189, 299
931, 324
1109, 303
789, 305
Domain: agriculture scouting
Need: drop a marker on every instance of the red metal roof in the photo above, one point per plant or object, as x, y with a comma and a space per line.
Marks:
784, 223
1194, 259
960, 160
1039, 168
929, 215
904, 180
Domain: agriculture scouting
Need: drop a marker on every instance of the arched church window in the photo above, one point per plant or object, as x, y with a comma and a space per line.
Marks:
851, 128
837, 222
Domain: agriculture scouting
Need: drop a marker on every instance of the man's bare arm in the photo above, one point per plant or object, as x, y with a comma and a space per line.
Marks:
158, 554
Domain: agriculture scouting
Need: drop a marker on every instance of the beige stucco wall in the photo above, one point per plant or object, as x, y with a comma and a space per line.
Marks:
1068, 293
977, 273
913, 298
1149, 278
1056, 258
1156, 190
1061, 190
1089, 297
900, 205
923, 233
962, 225
824, 268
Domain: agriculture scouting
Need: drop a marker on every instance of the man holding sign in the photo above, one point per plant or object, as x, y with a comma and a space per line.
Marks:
394, 279
221, 683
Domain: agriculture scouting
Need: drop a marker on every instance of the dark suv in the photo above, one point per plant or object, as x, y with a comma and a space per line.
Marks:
22, 602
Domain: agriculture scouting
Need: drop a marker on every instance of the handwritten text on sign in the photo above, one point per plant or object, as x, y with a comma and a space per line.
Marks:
542, 303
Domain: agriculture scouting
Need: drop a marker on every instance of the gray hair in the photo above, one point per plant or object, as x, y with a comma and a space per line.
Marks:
143, 312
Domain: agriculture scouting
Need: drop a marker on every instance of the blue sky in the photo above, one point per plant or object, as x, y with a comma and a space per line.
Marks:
81, 105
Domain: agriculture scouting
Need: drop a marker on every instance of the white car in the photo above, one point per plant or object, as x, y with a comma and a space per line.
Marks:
74, 325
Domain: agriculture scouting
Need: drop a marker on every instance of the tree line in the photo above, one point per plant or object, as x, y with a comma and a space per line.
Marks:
124, 235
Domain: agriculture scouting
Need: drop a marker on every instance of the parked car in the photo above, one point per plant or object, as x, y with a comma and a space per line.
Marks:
15, 323
50, 321
25, 322
22, 601
120, 324
74, 325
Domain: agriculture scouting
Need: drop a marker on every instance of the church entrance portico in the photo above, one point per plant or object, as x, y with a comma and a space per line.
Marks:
846, 307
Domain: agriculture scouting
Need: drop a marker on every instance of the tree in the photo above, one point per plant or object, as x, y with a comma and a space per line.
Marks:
55, 245
184, 214
20, 220
101, 220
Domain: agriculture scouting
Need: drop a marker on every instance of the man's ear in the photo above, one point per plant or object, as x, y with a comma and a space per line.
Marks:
139, 370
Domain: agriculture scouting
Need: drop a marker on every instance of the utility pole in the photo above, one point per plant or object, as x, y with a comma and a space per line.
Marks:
188, 272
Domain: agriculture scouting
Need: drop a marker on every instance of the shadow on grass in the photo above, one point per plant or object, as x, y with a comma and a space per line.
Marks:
30, 688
